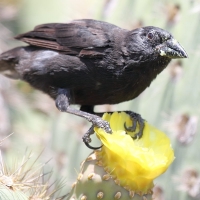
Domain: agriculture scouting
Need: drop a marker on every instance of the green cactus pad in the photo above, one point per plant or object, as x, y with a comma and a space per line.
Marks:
9, 194
94, 183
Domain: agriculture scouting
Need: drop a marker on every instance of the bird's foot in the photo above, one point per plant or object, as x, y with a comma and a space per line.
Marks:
100, 123
87, 140
136, 119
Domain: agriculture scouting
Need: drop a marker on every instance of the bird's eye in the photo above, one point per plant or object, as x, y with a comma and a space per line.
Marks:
150, 36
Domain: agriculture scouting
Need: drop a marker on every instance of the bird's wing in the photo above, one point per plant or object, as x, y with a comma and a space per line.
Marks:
80, 37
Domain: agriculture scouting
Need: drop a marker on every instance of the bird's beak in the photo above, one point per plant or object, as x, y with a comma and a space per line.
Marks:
171, 49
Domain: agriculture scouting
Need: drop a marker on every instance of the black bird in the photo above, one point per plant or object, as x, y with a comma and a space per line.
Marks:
91, 62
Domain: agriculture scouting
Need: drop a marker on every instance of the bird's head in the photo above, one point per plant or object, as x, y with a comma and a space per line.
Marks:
153, 42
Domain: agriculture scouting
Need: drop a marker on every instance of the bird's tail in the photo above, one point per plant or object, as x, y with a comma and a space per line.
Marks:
9, 62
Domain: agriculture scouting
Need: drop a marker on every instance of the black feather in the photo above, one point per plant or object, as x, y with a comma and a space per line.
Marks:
99, 63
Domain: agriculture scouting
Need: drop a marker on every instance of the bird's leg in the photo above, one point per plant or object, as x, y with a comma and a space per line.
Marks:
136, 118
63, 104
86, 138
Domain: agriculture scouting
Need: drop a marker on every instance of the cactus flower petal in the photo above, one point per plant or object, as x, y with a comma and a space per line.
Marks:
134, 163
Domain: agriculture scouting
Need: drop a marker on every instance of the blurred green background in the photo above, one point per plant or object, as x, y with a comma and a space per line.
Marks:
172, 103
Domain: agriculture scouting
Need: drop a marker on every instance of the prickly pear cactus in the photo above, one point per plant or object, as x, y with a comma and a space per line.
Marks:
6, 194
93, 182
123, 168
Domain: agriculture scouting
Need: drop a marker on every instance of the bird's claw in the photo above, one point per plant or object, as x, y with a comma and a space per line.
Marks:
100, 123
136, 119
86, 139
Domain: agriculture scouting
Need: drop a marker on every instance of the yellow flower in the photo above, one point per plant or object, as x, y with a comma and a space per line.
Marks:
134, 163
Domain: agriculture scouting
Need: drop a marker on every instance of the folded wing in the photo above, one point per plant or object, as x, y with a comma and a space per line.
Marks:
80, 37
